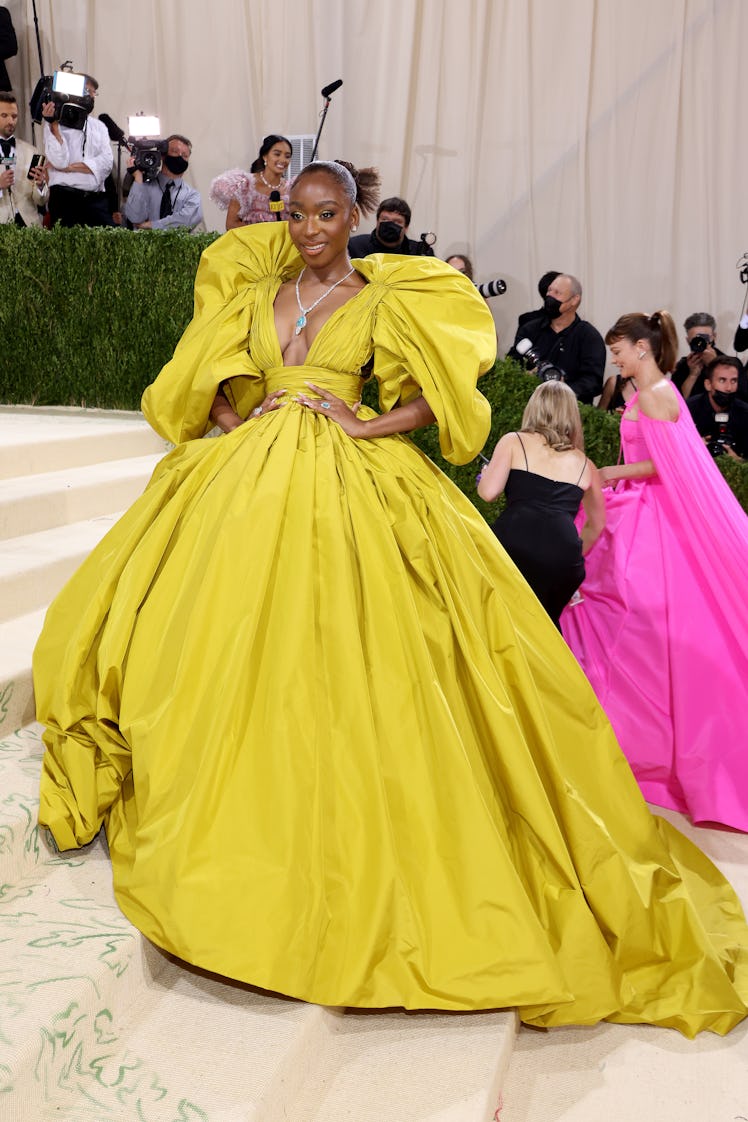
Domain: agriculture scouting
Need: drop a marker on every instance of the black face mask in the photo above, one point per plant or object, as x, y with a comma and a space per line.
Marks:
177, 165
723, 399
389, 232
552, 307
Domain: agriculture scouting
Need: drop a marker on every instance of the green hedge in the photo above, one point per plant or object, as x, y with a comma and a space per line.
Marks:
507, 388
89, 317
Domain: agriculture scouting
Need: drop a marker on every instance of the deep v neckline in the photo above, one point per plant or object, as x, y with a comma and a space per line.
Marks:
323, 328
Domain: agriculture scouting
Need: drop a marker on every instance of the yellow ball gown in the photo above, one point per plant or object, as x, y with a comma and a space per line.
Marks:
338, 747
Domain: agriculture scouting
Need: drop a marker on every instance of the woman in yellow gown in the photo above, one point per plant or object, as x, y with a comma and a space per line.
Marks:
339, 749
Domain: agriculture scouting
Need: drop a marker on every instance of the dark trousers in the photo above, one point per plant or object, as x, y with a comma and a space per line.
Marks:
71, 207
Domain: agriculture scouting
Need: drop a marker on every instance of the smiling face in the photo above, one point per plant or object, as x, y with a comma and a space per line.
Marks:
320, 220
277, 160
625, 355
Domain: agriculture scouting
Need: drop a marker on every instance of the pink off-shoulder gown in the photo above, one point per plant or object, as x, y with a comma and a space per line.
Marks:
662, 628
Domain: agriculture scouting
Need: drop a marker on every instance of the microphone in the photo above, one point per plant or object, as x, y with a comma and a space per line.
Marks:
115, 132
332, 88
276, 204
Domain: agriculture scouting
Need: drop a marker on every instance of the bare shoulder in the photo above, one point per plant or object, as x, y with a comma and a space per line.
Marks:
660, 401
505, 445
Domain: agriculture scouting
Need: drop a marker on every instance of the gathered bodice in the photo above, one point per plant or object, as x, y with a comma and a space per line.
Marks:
633, 444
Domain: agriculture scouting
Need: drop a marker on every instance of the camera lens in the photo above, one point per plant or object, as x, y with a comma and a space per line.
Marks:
699, 344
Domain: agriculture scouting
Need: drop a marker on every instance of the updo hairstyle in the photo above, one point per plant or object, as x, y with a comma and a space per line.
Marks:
360, 185
658, 330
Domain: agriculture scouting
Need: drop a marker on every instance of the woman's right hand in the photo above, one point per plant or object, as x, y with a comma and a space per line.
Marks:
271, 402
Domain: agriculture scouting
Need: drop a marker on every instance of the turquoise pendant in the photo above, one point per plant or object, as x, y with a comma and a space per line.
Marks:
300, 322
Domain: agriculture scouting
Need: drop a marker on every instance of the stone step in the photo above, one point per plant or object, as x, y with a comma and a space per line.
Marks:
34, 441
34, 567
40, 502
17, 641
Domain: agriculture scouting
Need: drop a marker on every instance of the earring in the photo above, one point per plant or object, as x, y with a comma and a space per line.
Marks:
353, 229
642, 354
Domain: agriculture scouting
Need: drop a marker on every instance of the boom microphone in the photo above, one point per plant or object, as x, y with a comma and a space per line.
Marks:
276, 205
332, 88
115, 132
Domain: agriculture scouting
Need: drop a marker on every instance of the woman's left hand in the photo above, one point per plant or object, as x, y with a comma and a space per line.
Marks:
608, 476
335, 409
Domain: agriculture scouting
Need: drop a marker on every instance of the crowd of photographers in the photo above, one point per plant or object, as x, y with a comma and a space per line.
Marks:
71, 182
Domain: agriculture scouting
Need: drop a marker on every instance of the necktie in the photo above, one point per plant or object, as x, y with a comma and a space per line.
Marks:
166, 205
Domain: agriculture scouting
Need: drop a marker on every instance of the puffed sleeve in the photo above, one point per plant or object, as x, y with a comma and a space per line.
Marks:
433, 334
214, 346
232, 184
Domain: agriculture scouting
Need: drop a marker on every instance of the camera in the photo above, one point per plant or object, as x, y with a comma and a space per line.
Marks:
147, 155
527, 354
549, 372
492, 288
722, 437
699, 344
147, 149
545, 371
67, 91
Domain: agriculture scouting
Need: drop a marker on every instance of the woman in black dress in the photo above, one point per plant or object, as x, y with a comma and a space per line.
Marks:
546, 476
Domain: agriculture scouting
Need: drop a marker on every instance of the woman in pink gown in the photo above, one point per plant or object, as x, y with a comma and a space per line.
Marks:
662, 625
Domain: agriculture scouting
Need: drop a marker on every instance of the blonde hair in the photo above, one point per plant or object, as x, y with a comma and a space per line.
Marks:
553, 413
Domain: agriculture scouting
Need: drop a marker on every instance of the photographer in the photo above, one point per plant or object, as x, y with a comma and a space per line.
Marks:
79, 161
390, 235
559, 337
720, 417
701, 336
23, 188
165, 202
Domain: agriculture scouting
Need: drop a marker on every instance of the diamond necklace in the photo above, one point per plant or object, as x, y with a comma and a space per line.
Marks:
301, 321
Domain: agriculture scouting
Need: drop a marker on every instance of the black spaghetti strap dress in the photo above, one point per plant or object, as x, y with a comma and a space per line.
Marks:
537, 530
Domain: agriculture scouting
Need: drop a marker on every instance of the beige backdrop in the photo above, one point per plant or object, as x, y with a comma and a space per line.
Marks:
601, 137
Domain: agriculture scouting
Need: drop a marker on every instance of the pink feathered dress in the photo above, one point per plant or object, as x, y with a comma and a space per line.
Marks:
253, 205
662, 629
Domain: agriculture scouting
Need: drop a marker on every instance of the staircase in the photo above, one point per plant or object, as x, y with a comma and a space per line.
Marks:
96, 1024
